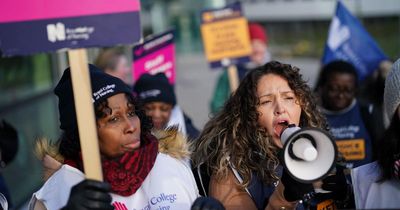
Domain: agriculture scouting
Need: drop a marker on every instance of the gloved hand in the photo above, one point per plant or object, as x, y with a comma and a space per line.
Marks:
8, 143
294, 190
337, 184
207, 203
90, 194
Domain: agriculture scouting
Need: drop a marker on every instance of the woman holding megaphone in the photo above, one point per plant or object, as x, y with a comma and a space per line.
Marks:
239, 148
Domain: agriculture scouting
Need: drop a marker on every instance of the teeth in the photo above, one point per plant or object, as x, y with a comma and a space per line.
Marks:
283, 123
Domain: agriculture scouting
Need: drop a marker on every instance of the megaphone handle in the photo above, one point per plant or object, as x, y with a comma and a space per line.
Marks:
290, 149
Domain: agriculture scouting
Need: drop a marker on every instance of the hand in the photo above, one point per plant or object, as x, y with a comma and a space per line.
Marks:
8, 142
294, 190
89, 194
337, 184
207, 203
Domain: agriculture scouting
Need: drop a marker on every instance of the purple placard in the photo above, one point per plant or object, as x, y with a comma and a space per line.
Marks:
98, 26
156, 54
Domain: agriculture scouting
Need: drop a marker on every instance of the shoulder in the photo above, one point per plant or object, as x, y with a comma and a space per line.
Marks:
173, 143
230, 193
168, 164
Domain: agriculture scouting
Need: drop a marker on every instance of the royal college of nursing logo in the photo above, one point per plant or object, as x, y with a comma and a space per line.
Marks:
58, 32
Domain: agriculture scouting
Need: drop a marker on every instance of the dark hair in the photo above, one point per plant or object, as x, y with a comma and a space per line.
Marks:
234, 132
69, 141
337, 66
389, 149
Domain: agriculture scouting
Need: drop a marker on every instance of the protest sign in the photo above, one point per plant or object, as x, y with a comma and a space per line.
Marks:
155, 55
226, 39
32, 26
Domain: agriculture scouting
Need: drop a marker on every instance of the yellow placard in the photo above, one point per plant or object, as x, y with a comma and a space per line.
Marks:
326, 205
226, 39
352, 149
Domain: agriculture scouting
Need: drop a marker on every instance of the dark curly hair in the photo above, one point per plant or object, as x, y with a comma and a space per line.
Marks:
235, 133
69, 146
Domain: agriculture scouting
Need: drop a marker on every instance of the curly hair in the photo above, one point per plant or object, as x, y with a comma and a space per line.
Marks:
69, 144
234, 132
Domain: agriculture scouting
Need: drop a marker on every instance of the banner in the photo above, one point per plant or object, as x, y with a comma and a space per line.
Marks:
31, 26
156, 54
349, 41
225, 36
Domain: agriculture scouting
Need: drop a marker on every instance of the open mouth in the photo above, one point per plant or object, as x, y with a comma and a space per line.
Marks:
280, 126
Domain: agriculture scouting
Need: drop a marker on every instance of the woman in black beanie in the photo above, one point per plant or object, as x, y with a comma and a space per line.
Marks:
159, 101
139, 170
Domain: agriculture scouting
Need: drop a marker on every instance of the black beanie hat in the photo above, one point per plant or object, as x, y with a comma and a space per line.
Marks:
155, 88
103, 87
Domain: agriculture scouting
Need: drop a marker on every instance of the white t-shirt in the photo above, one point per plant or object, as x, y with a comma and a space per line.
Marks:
370, 194
169, 185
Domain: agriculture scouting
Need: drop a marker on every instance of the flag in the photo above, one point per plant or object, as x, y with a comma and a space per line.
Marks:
349, 41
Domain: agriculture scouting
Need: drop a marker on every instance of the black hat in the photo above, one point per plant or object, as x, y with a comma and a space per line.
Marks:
155, 88
103, 87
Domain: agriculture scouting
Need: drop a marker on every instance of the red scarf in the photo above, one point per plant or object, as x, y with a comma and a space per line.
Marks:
127, 173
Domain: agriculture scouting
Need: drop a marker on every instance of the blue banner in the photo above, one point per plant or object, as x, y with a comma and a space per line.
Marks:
349, 41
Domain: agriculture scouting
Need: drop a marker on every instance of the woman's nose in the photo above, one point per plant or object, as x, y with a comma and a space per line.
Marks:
279, 108
130, 125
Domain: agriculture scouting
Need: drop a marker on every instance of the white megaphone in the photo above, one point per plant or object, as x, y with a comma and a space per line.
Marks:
309, 153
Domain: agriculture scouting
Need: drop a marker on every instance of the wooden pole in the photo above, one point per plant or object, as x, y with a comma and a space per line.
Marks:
85, 113
233, 77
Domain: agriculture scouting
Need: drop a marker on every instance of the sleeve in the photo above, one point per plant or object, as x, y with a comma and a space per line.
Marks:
221, 93
230, 193
277, 200
51, 194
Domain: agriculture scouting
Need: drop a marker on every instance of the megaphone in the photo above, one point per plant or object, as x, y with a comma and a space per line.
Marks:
309, 154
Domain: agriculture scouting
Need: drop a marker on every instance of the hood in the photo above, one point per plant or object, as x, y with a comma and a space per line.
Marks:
172, 142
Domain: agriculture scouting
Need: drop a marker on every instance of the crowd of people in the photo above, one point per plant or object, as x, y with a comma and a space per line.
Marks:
153, 157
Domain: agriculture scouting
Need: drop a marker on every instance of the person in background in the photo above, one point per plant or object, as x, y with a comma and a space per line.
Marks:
377, 185
140, 171
8, 151
371, 100
113, 61
258, 56
337, 88
237, 155
159, 100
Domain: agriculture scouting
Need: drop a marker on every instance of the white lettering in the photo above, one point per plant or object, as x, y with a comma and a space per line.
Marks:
56, 32
154, 62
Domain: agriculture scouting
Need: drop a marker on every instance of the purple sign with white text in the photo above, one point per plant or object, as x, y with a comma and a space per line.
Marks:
32, 26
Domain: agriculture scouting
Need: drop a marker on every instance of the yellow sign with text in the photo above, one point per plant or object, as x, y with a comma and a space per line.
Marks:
326, 205
227, 38
352, 149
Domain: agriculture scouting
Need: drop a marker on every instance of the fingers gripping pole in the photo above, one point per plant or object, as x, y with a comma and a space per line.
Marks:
85, 113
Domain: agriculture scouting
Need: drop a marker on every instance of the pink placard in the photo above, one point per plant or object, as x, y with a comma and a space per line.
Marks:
23, 10
162, 60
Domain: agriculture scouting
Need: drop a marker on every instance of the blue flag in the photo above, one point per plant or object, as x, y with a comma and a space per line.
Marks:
349, 41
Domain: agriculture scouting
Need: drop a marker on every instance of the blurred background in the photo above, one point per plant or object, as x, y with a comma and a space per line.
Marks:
297, 32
